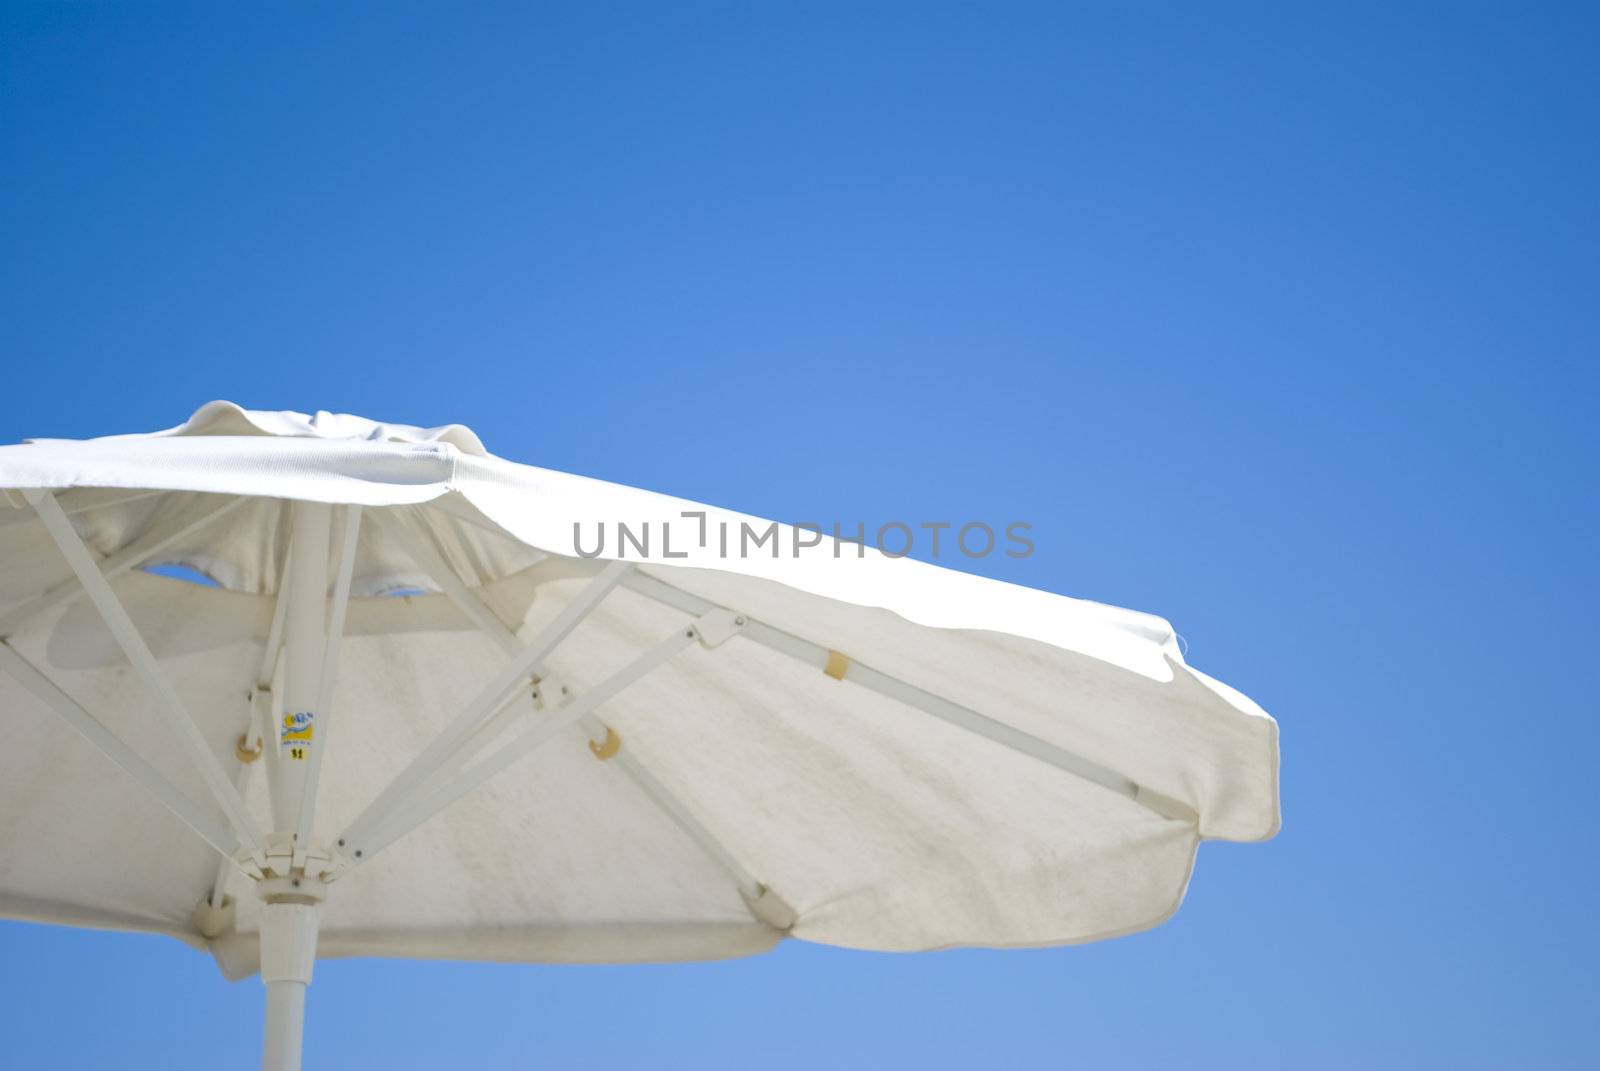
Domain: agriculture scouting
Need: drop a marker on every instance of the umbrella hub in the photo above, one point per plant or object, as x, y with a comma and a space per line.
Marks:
292, 871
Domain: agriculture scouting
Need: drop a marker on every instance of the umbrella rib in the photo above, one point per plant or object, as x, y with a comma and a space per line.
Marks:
112, 747
74, 509
490, 623
168, 703
226, 866
432, 563
113, 566
133, 496
274, 648
893, 688
407, 529
486, 703
678, 811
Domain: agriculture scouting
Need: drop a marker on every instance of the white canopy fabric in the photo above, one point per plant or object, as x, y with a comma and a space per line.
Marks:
904, 757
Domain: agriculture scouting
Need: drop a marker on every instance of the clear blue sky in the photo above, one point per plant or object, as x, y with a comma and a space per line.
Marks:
1279, 323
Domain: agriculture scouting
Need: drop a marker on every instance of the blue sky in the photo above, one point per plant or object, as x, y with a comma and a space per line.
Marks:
1280, 323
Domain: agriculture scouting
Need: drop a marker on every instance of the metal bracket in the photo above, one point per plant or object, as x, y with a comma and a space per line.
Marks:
717, 627
293, 873
549, 692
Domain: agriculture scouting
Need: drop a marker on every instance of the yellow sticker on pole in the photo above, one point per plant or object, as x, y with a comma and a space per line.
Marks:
296, 733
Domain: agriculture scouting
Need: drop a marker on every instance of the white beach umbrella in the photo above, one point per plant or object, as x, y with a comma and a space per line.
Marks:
413, 718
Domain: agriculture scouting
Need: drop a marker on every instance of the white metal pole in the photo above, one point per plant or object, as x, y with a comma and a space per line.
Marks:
303, 648
286, 1020
327, 674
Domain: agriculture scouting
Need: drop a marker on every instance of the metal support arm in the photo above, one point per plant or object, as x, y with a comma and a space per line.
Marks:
366, 842
214, 833
433, 564
168, 704
484, 704
127, 558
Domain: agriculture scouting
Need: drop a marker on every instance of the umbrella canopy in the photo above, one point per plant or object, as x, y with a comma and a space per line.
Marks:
422, 717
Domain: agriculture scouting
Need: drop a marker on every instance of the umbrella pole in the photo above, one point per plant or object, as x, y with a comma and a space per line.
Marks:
286, 1017
288, 950
289, 915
